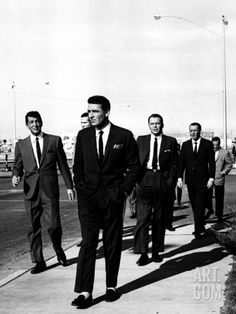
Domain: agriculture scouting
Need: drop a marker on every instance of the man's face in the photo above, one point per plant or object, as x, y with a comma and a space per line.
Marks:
216, 145
34, 125
85, 123
194, 132
97, 115
155, 126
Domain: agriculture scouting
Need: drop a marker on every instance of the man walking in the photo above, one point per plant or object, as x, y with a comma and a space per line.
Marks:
37, 158
105, 169
223, 166
197, 161
157, 178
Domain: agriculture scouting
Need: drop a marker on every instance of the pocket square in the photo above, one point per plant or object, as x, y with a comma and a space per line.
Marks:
118, 146
167, 150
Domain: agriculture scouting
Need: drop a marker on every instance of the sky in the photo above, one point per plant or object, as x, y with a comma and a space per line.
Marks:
172, 66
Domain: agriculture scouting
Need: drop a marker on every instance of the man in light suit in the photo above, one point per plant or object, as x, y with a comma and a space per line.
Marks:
223, 166
105, 168
36, 159
157, 178
198, 163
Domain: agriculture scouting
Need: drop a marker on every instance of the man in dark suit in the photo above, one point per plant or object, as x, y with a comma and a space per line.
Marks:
159, 160
105, 168
36, 159
198, 163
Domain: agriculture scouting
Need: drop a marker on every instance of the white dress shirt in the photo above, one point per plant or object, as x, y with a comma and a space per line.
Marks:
159, 139
33, 142
198, 143
105, 135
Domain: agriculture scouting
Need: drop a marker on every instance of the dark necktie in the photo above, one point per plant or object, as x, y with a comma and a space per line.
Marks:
100, 146
195, 151
154, 159
38, 149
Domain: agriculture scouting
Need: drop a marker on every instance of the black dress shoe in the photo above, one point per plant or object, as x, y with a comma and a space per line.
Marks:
170, 228
209, 213
143, 260
156, 258
111, 295
198, 236
133, 216
61, 257
81, 302
38, 268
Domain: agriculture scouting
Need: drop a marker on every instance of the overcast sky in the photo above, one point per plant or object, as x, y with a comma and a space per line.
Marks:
117, 49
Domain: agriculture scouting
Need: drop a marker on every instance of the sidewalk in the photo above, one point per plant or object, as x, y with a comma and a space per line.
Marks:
189, 280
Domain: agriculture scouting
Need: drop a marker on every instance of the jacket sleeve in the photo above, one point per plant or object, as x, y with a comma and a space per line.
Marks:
18, 163
211, 161
228, 164
78, 162
132, 164
63, 166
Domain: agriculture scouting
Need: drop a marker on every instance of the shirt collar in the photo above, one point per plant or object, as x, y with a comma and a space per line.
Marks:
105, 130
198, 141
33, 137
157, 137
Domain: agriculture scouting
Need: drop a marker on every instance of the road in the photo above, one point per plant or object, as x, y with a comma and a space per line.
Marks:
14, 248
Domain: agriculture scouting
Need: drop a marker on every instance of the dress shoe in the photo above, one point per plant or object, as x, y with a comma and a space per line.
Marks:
170, 228
198, 236
209, 213
79, 244
156, 258
111, 295
133, 216
38, 268
143, 260
61, 257
81, 302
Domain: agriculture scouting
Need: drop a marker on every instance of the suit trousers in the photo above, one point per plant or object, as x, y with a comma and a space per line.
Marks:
48, 208
198, 200
149, 212
99, 212
219, 200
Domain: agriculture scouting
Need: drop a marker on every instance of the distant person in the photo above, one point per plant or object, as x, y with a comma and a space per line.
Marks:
157, 178
178, 189
197, 161
36, 159
234, 153
84, 120
105, 171
223, 166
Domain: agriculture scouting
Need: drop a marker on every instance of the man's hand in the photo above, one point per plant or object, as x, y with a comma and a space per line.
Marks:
210, 183
180, 183
15, 180
71, 194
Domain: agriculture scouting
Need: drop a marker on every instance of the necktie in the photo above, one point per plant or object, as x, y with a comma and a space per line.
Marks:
38, 149
100, 146
195, 151
154, 159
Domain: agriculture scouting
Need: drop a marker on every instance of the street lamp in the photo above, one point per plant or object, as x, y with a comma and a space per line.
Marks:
13, 87
225, 22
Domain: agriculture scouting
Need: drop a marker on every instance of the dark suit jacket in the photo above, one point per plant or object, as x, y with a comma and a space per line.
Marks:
168, 157
197, 172
120, 165
52, 155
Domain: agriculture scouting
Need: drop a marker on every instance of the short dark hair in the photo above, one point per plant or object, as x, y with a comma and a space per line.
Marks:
216, 139
84, 115
33, 114
196, 124
100, 100
156, 115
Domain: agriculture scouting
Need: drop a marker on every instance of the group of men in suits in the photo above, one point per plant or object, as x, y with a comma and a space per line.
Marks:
108, 163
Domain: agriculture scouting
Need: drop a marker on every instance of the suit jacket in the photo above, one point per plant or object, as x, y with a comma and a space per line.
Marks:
120, 165
46, 175
197, 172
223, 166
168, 157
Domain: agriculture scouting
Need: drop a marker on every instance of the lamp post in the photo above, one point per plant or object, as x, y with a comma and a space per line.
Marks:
13, 86
225, 22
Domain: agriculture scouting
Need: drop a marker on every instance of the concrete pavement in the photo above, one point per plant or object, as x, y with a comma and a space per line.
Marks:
190, 279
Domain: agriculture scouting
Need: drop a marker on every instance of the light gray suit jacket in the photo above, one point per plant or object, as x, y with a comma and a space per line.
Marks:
223, 166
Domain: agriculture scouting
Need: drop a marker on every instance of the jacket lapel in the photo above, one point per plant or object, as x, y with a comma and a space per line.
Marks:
145, 149
29, 148
163, 144
110, 142
45, 147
